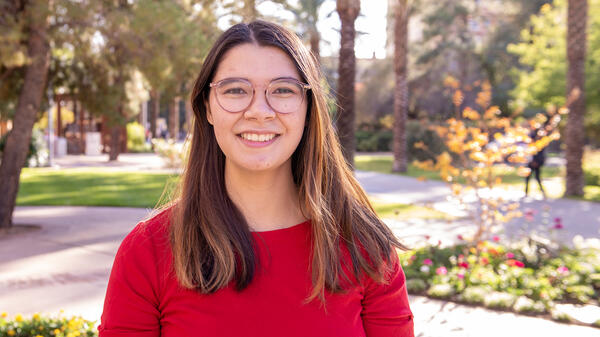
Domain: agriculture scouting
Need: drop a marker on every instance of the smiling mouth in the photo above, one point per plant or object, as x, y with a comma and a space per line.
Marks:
258, 137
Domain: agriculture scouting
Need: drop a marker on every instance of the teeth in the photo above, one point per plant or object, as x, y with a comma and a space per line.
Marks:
258, 138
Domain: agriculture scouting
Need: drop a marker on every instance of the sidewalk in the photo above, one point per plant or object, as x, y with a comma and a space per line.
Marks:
66, 264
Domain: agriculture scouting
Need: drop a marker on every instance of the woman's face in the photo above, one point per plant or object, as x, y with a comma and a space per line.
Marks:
257, 138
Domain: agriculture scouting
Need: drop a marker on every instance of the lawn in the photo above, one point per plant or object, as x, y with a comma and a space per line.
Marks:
552, 177
96, 187
92, 187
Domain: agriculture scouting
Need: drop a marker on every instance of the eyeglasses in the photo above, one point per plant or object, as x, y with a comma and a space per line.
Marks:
283, 95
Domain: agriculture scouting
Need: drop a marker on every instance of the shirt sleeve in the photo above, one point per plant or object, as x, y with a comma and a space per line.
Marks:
131, 302
385, 308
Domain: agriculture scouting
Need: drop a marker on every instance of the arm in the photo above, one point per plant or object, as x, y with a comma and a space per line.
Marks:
131, 303
386, 312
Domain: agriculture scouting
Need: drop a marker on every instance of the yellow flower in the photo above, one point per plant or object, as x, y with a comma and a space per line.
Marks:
36, 316
18, 318
4, 314
11, 332
39, 336
56, 331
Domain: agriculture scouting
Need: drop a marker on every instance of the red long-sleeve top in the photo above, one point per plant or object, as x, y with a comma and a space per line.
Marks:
144, 299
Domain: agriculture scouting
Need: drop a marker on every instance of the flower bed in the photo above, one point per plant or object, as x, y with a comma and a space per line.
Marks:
526, 277
38, 326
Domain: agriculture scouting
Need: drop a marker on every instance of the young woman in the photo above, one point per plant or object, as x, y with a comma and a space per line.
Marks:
271, 234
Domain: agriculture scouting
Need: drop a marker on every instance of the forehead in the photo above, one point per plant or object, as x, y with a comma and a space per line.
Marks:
256, 63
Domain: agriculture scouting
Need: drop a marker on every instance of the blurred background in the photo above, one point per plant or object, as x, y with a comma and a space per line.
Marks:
474, 127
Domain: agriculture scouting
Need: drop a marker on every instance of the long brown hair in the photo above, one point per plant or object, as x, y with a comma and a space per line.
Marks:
209, 236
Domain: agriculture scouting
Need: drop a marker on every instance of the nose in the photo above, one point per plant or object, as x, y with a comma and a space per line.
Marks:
259, 108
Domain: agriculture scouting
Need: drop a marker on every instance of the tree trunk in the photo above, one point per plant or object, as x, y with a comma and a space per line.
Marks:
30, 97
314, 44
115, 142
155, 107
576, 52
401, 86
173, 118
189, 115
348, 11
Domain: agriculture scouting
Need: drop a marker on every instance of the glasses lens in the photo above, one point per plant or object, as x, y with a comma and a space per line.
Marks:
285, 96
234, 95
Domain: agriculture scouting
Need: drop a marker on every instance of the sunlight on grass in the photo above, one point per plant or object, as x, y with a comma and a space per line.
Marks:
92, 187
399, 211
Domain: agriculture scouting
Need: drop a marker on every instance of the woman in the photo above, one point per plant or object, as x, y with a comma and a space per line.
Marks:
271, 234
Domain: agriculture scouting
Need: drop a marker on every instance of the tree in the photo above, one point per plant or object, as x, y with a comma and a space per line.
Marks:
36, 12
576, 53
306, 13
348, 11
401, 88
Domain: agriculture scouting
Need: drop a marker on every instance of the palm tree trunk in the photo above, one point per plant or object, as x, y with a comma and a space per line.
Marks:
348, 11
30, 97
576, 52
173, 118
401, 87
315, 38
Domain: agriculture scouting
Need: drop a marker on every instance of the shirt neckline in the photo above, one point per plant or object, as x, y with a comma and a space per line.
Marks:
282, 230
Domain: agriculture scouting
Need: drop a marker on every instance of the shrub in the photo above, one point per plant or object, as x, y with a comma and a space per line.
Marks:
371, 141
526, 305
38, 150
499, 300
474, 295
440, 291
136, 138
46, 326
416, 285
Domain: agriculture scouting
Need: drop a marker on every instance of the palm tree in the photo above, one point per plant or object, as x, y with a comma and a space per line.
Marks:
307, 15
30, 98
576, 51
348, 11
401, 88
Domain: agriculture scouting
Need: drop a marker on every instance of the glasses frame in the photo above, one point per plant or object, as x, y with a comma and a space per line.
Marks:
305, 87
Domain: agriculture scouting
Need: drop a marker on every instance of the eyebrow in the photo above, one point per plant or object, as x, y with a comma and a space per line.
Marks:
273, 79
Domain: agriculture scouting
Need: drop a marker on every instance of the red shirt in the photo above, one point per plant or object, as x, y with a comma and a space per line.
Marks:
144, 299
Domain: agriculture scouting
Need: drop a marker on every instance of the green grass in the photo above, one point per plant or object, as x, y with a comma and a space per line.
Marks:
403, 211
383, 164
92, 187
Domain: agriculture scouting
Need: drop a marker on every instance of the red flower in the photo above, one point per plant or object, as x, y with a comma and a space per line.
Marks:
484, 260
515, 263
464, 265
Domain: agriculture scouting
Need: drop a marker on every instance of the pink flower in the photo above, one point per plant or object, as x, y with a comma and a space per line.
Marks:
557, 225
427, 237
496, 238
441, 271
515, 263
427, 262
439, 243
484, 260
510, 255
460, 275
562, 270
460, 237
413, 257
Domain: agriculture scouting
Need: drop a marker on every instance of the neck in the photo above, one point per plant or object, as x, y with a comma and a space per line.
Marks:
268, 199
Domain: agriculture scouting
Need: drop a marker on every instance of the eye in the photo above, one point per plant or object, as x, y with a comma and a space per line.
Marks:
234, 91
283, 90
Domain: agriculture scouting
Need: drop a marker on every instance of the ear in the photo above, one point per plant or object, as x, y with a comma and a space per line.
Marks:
209, 116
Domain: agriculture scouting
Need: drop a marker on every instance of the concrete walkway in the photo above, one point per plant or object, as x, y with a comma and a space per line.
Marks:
65, 264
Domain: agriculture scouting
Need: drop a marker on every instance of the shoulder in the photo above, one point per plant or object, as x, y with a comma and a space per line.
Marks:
148, 235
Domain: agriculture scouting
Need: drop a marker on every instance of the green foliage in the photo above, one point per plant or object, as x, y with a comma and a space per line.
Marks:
136, 138
526, 276
46, 326
371, 141
543, 52
38, 151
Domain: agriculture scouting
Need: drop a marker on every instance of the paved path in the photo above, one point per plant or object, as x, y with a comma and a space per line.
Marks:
579, 218
65, 264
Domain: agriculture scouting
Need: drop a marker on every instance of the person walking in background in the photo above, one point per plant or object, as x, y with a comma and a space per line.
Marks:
535, 164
